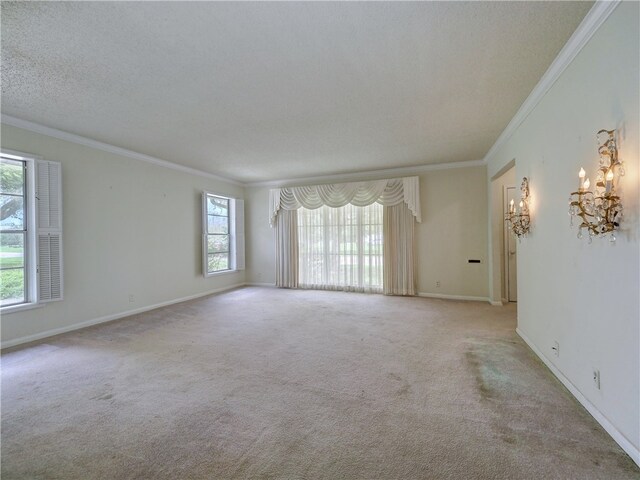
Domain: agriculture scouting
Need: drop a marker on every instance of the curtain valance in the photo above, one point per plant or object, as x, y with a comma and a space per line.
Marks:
386, 192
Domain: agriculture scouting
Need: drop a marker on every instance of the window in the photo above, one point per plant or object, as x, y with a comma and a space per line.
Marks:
13, 232
341, 248
223, 245
30, 231
218, 234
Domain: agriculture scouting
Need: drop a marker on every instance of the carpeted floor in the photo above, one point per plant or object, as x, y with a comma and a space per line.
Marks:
266, 383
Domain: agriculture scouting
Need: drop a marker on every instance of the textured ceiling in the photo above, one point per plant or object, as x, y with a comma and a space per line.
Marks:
261, 91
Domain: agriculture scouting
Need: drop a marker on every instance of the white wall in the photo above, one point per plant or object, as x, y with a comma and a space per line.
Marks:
130, 228
584, 296
453, 230
260, 243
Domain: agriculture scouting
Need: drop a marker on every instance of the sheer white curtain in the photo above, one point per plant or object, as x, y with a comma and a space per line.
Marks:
341, 248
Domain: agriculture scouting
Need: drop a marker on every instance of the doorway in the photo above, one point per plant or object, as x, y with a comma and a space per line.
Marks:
510, 249
504, 288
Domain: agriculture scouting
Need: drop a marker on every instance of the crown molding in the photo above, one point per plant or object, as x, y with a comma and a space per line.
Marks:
589, 25
366, 175
88, 142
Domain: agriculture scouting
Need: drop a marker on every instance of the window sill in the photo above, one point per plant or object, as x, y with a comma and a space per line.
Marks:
222, 272
20, 308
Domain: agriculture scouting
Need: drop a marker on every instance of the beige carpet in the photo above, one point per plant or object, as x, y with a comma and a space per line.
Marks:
265, 383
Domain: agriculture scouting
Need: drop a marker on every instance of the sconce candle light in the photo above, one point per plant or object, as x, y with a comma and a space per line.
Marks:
600, 210
520, 222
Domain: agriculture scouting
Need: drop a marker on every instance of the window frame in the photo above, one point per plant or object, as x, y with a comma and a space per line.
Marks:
207, 234
231, 262
30, 233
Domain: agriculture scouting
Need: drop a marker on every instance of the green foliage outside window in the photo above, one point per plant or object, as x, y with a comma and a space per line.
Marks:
218, 235
12, 236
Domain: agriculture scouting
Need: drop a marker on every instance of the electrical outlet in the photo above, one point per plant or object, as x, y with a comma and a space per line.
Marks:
131, 299
596, 378
438, 284
556, 349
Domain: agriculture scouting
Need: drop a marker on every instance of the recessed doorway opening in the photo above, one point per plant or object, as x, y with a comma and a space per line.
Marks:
503, 244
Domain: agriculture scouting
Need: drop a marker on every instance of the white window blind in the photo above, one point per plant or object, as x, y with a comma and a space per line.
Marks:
49, 227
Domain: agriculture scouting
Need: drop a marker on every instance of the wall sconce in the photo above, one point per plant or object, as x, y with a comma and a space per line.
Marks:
600, 210
520, 222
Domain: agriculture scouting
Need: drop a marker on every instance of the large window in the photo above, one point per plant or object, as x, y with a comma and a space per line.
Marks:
30, 231
223, 246
341, 248
218, 234
13, 231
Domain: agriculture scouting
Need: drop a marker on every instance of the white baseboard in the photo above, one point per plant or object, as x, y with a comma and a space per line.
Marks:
257, 284
108, 318
452, 297
497, 304
619, 438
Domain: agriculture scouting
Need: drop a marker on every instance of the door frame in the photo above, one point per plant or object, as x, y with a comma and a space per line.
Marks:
505, 176
507, 238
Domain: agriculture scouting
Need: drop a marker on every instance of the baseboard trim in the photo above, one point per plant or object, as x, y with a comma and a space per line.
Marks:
258, 284
109, 318
497, 304
617, 436
453, 297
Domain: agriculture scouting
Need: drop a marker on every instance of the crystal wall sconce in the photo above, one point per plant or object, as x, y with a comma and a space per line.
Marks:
519, 222
599, 210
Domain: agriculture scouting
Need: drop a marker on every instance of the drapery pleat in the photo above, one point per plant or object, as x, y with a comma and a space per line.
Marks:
385, 192
287, 249
399, 251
